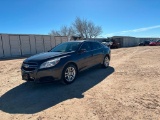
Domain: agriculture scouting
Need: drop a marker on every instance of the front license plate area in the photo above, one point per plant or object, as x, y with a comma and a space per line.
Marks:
25, 77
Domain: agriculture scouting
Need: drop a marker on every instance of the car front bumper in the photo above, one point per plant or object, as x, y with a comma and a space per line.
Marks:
42, 75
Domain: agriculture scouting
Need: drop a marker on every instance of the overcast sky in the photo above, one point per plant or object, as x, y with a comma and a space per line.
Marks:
139, 18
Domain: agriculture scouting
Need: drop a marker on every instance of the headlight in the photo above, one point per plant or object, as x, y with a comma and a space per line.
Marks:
50, 63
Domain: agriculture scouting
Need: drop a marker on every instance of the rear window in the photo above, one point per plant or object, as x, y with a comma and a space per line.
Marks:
96, 45
86, 46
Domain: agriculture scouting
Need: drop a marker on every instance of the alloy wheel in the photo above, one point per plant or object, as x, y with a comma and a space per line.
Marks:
70, 74
106, 61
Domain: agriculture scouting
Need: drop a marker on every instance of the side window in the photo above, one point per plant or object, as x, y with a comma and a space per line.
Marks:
95, 45
86, 46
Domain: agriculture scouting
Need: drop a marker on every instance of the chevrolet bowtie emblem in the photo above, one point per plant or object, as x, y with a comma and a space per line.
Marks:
26, 65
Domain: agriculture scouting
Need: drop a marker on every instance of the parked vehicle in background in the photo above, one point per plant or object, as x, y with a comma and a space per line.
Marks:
144, 43
107, 43
64, 61
157, 43
115, 44
111, 43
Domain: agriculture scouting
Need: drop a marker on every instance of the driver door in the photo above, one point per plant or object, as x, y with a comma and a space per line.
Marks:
85, 58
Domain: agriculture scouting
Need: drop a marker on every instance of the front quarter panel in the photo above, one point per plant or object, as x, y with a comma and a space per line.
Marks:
107, 52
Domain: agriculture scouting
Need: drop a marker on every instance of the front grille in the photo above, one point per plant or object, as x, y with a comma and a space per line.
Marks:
29, 66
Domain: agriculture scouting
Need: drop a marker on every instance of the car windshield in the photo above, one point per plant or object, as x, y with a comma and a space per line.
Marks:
66, 47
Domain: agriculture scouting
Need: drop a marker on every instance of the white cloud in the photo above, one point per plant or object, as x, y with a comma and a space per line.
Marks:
134, 30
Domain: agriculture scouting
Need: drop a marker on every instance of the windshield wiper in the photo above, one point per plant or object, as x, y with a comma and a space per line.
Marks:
57, 51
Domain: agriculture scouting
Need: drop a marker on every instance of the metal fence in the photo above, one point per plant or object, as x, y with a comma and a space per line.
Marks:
18, 45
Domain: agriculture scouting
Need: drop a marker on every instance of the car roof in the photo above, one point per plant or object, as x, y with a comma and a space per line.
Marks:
83, 41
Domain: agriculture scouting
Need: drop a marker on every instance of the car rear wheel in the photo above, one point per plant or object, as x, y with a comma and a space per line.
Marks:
69, 74
106, 62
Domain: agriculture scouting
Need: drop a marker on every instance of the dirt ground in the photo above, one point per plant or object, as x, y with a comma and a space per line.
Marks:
128, 90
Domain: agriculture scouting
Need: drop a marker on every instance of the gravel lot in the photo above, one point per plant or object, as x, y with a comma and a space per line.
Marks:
128, 90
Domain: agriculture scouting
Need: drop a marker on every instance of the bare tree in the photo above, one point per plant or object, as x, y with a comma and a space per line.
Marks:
80, 27
55, 33
64, 31
86, 29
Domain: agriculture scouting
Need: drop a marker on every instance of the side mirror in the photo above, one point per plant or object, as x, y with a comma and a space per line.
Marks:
82, 51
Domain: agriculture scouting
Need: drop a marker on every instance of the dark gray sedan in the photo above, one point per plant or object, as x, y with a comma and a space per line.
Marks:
64, 61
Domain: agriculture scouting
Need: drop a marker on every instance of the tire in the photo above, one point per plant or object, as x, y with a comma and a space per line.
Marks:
106, 62
69, 74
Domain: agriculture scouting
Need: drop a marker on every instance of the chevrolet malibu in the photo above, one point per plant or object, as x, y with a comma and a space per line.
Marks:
65, 61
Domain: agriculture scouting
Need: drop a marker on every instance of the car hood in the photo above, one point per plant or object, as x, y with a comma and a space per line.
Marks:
46, 56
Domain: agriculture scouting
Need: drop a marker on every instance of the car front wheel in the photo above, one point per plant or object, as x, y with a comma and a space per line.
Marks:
69, 74
106, 62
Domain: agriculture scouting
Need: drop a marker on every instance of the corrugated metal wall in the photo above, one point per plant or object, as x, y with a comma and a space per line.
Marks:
47, 43
1, 47
127, 41
58, 40
6, 46
122, 40
39, 44
130, 41
25, 44
15, 45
